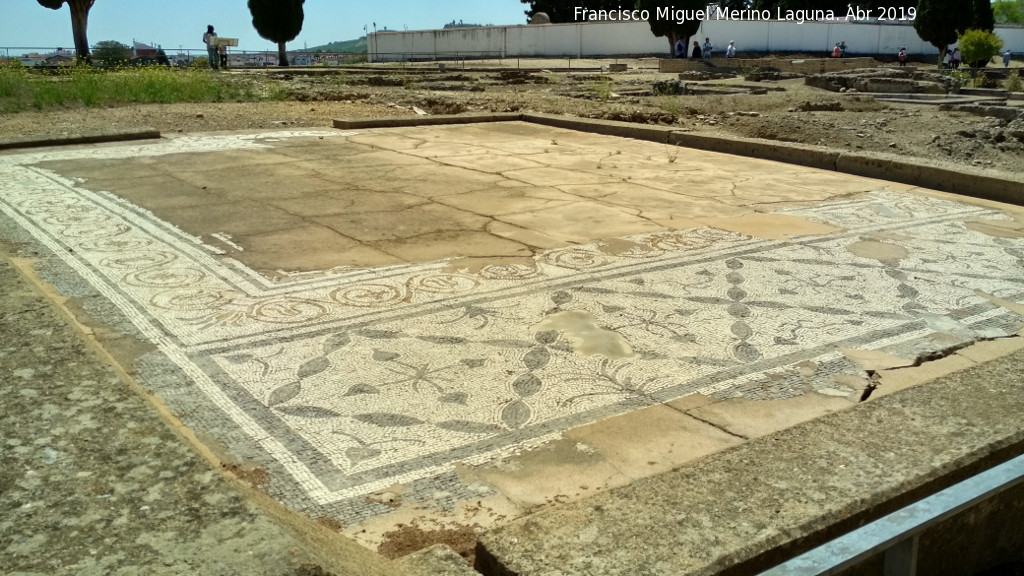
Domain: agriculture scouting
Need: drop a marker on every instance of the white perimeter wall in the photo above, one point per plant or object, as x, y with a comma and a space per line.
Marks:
635, 38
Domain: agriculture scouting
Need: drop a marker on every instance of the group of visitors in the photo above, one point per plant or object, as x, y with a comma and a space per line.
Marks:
217, 54
840, 50
702, 52
952, 58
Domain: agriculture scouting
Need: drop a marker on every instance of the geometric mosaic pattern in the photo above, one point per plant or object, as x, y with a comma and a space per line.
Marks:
359, 379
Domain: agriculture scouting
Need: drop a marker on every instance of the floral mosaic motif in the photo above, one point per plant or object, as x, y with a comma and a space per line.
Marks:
373, 372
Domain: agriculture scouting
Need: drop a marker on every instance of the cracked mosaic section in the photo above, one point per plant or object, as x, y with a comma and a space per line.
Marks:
360, 379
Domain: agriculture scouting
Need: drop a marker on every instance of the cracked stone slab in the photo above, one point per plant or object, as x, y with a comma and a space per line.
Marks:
359, 378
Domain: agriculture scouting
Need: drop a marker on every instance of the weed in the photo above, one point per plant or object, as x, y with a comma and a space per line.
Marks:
609, 155
671, 154
603, 90
960, 78
1014, 83
15, 91
21, 89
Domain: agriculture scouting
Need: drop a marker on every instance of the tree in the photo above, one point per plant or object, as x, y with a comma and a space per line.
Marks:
773, 5
669, 28
79, 22
983, 19
939, 21
1008, 11
979, 46
561, 11
111, 53
278, 21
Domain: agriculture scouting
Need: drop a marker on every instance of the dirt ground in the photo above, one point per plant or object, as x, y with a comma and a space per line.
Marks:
785, 110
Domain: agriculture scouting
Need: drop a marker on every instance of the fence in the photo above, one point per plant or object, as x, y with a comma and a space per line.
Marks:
49, 56
897, 536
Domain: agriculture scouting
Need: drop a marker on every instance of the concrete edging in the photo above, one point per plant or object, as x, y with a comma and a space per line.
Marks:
96, 138
406, 121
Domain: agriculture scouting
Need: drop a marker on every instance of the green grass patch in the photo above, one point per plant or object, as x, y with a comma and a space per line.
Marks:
23, 89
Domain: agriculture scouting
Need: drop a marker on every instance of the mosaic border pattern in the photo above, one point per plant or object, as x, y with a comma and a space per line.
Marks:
359, 379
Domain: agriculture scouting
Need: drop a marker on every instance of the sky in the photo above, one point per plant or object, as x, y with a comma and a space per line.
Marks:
180, 23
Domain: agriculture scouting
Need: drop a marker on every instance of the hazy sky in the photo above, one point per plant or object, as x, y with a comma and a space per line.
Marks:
181, 23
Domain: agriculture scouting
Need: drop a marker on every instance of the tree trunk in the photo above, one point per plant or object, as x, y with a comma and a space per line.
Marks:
282, 56
79, 25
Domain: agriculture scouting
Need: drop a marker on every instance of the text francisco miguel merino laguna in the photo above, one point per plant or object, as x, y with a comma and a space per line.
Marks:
719, 13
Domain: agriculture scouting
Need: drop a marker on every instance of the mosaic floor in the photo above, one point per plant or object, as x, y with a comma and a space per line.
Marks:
359, 379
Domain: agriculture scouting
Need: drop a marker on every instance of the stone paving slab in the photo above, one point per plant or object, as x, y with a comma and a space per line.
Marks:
422, 355
94, 483
754, 506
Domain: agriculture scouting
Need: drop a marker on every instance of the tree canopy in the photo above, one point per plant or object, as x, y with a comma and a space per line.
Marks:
670, 29
79, 22
1008, 11
561, 11
984, 19
279, 21
939, 22
111, 53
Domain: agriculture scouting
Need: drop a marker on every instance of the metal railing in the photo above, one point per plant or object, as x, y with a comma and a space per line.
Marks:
236, 58
896, 536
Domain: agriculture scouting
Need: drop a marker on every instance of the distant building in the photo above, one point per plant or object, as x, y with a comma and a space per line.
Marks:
32, 60
141, 50
55, 58
58, 59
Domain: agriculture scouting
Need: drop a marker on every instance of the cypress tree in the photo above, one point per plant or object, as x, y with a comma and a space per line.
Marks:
938, 22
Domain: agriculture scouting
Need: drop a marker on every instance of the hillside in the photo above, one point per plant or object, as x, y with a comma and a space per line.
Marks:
357, 46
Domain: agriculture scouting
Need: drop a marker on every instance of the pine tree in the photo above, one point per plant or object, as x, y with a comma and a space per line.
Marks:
279, 21
79, 22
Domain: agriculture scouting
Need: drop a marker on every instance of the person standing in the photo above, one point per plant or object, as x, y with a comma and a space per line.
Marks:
1006, 58
836, 52
695, 53
957, 57
730, 52
947, 60
903, 56
842, 49
708, 48
680, 48
210, 39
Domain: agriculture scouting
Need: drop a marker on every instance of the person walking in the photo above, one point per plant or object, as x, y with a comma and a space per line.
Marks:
210, 39
903, 56
1006, 58
730, 52
957, 58
708, 48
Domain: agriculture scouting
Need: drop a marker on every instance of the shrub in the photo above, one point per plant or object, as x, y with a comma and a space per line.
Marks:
978, 47
1013, 82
